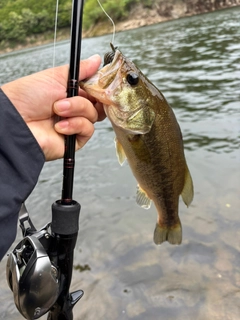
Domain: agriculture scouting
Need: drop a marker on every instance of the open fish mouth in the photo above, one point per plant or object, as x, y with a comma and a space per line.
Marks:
103, 84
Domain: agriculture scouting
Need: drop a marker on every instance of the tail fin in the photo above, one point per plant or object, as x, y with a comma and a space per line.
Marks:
171, 234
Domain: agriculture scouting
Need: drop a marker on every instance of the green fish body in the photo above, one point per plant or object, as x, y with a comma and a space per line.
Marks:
149, 137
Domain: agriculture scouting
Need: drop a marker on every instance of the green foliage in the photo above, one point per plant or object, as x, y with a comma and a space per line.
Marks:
92, 13
147, 3
117, 10
18, 26
22, 18
15, 28
64, 14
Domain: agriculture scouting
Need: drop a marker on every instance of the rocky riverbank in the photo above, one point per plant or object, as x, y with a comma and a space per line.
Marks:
161, 11
139, 16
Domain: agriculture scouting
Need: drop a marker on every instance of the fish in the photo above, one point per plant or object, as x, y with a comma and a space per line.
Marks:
148, 136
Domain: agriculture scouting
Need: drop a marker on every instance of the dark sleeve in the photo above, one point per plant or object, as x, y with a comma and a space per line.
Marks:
21, 161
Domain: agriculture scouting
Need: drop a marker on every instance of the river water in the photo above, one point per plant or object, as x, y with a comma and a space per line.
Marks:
195, 63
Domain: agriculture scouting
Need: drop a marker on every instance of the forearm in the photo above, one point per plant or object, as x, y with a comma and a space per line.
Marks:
21, 161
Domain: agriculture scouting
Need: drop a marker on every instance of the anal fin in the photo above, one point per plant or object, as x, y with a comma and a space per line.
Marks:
187, 192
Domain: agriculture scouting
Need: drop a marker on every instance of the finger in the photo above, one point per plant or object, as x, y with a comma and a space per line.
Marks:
81, 140
89, 66
76, 107
80, 126
86, 95
100, 111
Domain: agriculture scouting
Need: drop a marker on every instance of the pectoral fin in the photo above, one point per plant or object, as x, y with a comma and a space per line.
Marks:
187, 192
120, 152
142, 198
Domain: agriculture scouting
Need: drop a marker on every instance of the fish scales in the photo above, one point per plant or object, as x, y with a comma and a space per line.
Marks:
149, 137
157, 174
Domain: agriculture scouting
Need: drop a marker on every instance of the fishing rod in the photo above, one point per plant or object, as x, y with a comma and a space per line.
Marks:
39, 269
65, 212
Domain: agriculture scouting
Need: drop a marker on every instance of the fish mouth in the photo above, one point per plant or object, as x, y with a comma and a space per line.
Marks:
105, 82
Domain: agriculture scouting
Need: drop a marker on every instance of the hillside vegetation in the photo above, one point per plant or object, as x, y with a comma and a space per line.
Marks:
24, 21
21, 18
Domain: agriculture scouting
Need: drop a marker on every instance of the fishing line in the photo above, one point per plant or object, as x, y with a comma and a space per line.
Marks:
55, 34
114, 28
56, 118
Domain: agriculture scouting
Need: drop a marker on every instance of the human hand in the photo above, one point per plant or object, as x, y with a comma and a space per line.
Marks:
41, 96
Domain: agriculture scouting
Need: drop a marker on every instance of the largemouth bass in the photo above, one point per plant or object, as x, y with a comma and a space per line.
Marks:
148, 135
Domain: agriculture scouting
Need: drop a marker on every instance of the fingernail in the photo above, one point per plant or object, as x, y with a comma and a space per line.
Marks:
94, 57
62, 124
62, 105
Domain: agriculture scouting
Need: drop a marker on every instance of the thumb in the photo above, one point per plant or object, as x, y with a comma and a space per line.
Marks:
89, 66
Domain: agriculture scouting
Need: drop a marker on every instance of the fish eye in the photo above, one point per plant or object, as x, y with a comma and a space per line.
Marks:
132, 78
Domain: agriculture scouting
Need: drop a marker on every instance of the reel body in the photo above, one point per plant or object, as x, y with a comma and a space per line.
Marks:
32, 277
39, 269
